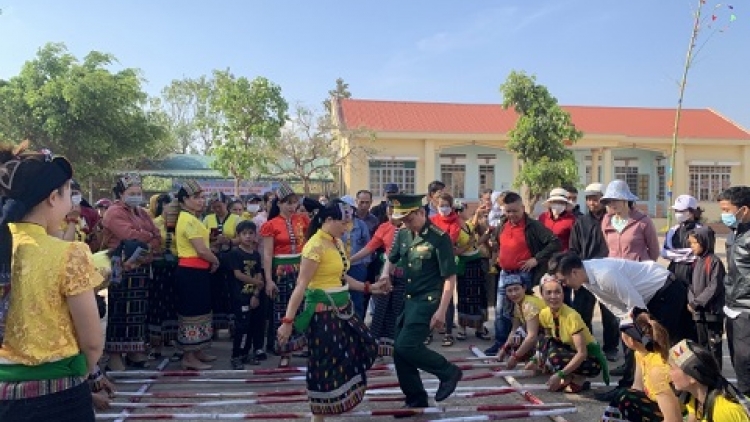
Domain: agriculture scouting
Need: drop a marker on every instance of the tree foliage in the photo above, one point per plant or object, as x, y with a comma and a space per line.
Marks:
310, 147
341, 91
250, 115
540, 137
187, 104
81, 109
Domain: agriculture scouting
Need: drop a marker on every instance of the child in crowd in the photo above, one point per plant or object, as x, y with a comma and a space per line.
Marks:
706, 294
245, 289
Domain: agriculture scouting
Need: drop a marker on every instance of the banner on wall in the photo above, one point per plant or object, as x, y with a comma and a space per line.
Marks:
227, 186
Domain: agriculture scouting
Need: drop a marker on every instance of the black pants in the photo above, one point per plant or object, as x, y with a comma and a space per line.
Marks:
709, 331
248, 329
584, 302
738, 336
669, 308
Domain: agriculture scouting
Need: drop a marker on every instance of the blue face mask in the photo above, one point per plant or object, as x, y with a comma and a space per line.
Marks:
730, 219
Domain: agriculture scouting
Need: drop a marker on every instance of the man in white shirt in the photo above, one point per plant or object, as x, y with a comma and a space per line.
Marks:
622, 285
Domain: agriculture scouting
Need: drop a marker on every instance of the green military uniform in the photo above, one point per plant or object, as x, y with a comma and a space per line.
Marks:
427, 259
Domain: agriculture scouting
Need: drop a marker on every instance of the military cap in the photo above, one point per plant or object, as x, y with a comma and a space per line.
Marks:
404, 204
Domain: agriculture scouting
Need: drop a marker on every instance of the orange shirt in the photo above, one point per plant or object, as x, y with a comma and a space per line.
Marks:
513, 247
383, 237
278, 229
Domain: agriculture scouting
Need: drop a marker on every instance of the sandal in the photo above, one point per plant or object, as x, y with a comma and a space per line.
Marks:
284, 362
461, 336
428, 340
483, 334
448, 341
576, 389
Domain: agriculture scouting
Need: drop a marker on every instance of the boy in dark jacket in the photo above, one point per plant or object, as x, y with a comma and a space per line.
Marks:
706, 294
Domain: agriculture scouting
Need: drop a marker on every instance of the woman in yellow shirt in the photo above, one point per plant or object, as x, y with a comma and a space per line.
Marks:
567, 350
195, 265
50, 334
711, 398
524, 333
341, 347
651, 398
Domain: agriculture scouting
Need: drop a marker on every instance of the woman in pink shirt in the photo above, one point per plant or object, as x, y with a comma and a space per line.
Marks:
629, 233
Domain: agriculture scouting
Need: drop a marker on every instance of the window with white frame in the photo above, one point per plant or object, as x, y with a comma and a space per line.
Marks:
661, 193
630, 175
453, 174
403, 173
706, 182
487, 164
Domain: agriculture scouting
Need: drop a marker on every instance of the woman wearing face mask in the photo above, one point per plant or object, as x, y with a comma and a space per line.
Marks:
74, 228
128, 300
447, 220
558, 218
676, 248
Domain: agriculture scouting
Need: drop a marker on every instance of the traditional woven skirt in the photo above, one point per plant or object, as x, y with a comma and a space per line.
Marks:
128, 312
162, 303
387, 309
553, 355
193, 309
634, 406
71, 405
472, 296
286, 271
341, 352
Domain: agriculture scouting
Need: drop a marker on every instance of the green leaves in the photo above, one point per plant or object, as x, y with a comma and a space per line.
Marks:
540, 137
81, 109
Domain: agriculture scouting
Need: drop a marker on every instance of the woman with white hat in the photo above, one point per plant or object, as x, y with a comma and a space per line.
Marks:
676, 247
559, 217
629, 233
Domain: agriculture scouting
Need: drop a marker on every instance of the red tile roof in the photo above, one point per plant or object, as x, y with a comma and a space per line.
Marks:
638, 122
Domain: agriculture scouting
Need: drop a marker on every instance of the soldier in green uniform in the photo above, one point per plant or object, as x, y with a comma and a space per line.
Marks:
426, 254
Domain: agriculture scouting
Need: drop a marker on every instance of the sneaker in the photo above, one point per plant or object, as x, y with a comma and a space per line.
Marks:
237, 364
611, 355
260, 354
492, 350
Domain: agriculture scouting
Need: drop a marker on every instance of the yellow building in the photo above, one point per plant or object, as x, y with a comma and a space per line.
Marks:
463, 145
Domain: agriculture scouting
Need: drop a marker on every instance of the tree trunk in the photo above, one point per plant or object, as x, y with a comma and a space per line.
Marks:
306, 185
237, 186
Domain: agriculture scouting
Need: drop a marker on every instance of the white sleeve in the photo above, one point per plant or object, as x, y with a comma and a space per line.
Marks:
614, 283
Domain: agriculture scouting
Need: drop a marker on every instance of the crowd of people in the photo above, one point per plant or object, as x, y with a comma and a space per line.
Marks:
290, 276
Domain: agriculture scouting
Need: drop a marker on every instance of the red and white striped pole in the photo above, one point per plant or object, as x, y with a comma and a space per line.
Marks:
511, 415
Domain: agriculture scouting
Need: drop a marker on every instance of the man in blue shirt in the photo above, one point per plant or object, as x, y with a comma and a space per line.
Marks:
355, 239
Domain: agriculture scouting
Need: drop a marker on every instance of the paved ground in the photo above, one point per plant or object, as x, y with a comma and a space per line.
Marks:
588, 408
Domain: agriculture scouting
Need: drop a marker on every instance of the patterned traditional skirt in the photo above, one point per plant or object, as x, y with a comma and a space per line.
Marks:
634, 406
341, 352
162, 303
553, 355
387, 309
128, 312
193, 309
472, 296
286, 278
69, 405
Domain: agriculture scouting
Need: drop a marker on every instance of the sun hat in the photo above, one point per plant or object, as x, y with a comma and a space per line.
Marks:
618, 190
594, 189
558, 195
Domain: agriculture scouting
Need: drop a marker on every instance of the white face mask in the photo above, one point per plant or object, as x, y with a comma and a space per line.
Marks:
557, 208
253, 207
445, 210
682, 216
76, 199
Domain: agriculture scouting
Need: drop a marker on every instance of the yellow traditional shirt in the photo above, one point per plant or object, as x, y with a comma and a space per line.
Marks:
229, 228
570, 322
188, 228
80, 236
467, 239
530, 307
162, 226
655, 371
332, 262
724, 411
46, 271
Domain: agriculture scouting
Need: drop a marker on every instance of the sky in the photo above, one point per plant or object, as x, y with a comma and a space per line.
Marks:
587, 52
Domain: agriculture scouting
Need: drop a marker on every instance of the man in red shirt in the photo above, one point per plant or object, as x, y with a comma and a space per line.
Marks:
525, 246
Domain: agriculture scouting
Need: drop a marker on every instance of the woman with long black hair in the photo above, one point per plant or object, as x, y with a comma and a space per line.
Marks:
341, 347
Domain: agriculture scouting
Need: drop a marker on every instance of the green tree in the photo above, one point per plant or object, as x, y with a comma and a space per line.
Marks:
540, 138
250, 114
81, 109
187, 104
310, 148
341, 91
